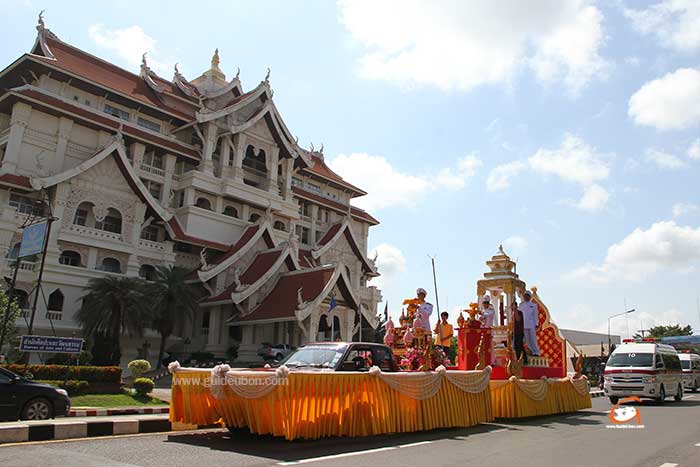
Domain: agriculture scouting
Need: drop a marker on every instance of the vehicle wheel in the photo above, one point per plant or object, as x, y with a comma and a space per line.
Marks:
37, 409
662, 396
614, 400
679, 394
279, 357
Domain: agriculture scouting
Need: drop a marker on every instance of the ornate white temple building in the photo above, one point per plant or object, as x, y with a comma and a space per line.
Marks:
143, 171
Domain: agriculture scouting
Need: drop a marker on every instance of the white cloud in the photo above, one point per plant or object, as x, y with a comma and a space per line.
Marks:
500, 176
516, 243
575, 161
390, 263
130, 44
455, 180
664, 160
594, 199
674, 22
694, 150
460, 45
671, 102
389, 187
682, 209
665, 245
587, 318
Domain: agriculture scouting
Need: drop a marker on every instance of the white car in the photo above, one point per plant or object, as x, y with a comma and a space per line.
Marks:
690, 363
645, 369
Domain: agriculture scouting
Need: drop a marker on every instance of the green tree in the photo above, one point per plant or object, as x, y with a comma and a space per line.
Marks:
8, 321
668, 331
174, 302
112, 307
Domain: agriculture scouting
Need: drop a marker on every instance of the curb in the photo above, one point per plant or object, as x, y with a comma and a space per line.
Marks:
122, 411
597, 394
63, 429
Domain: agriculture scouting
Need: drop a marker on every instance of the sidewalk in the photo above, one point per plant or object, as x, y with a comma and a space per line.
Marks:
101, 412
85, 427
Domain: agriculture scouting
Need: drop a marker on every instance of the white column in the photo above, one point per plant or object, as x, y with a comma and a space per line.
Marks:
271, 163
224, 168
210, 134
170, 160
18, 123
137, 151
240, 141
64, 127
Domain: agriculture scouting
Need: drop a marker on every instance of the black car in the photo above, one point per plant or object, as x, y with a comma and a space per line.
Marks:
23, 399
342, 356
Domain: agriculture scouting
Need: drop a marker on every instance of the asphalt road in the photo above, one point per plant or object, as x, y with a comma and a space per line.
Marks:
670, 437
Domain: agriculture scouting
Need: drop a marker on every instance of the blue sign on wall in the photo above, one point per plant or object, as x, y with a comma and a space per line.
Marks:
32, 240
50, 344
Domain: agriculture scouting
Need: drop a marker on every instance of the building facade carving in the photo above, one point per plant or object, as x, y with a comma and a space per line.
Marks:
144, 171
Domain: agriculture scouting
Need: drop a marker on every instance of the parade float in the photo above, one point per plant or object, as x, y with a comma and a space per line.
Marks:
334, 395
542, 386
339, 389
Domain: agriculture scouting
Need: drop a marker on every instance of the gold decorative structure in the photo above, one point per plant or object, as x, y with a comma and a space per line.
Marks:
482, 356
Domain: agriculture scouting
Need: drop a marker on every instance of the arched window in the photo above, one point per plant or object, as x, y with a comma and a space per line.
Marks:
69, 258
203, 203
147, 272
230, 211
110, 265
56, 300
84, 215
22, 298
111, 223
255, 161
279, 225
254, 217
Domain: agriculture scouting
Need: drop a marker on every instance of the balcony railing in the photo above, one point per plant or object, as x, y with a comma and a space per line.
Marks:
95, 233
54, 315
153, 170
23, 266
151, 245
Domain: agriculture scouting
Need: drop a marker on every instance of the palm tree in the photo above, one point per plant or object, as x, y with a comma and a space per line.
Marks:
114, 305
174, 302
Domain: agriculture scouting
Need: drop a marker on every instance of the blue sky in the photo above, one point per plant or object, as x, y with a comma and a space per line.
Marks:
565, 129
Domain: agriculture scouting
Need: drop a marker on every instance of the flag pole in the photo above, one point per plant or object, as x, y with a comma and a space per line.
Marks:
437, 300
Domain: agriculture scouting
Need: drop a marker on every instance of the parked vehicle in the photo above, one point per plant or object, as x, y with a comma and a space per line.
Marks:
342, 356
23, 399
690, 363
643, 368
274, 352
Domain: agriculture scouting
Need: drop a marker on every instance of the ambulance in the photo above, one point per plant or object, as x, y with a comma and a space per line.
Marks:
643, 368
690, 363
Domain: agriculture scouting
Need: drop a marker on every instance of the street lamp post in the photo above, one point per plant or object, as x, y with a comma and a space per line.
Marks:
615, 316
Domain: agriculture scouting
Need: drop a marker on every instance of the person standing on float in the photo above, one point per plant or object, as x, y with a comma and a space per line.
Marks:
518, 332
422, 320
488, 312
530, 322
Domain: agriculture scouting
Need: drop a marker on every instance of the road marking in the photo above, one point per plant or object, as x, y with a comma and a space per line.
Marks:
336, 456
668, 464
419, 443
698, 445
688, 397
95, 438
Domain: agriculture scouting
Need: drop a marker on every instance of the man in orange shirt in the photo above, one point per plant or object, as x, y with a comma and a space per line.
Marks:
445, 330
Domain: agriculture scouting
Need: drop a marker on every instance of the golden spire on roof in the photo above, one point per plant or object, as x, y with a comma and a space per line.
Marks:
215, 59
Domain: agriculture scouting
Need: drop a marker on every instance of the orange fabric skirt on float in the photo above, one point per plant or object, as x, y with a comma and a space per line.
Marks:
312, 405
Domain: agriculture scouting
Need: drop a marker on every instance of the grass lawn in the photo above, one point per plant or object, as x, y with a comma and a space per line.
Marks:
113, 400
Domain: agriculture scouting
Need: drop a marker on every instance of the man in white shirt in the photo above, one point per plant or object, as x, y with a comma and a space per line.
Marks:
488, 313
530, 322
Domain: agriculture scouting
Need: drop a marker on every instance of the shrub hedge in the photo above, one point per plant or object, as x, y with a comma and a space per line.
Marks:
73, 386
90, 374
143, 385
